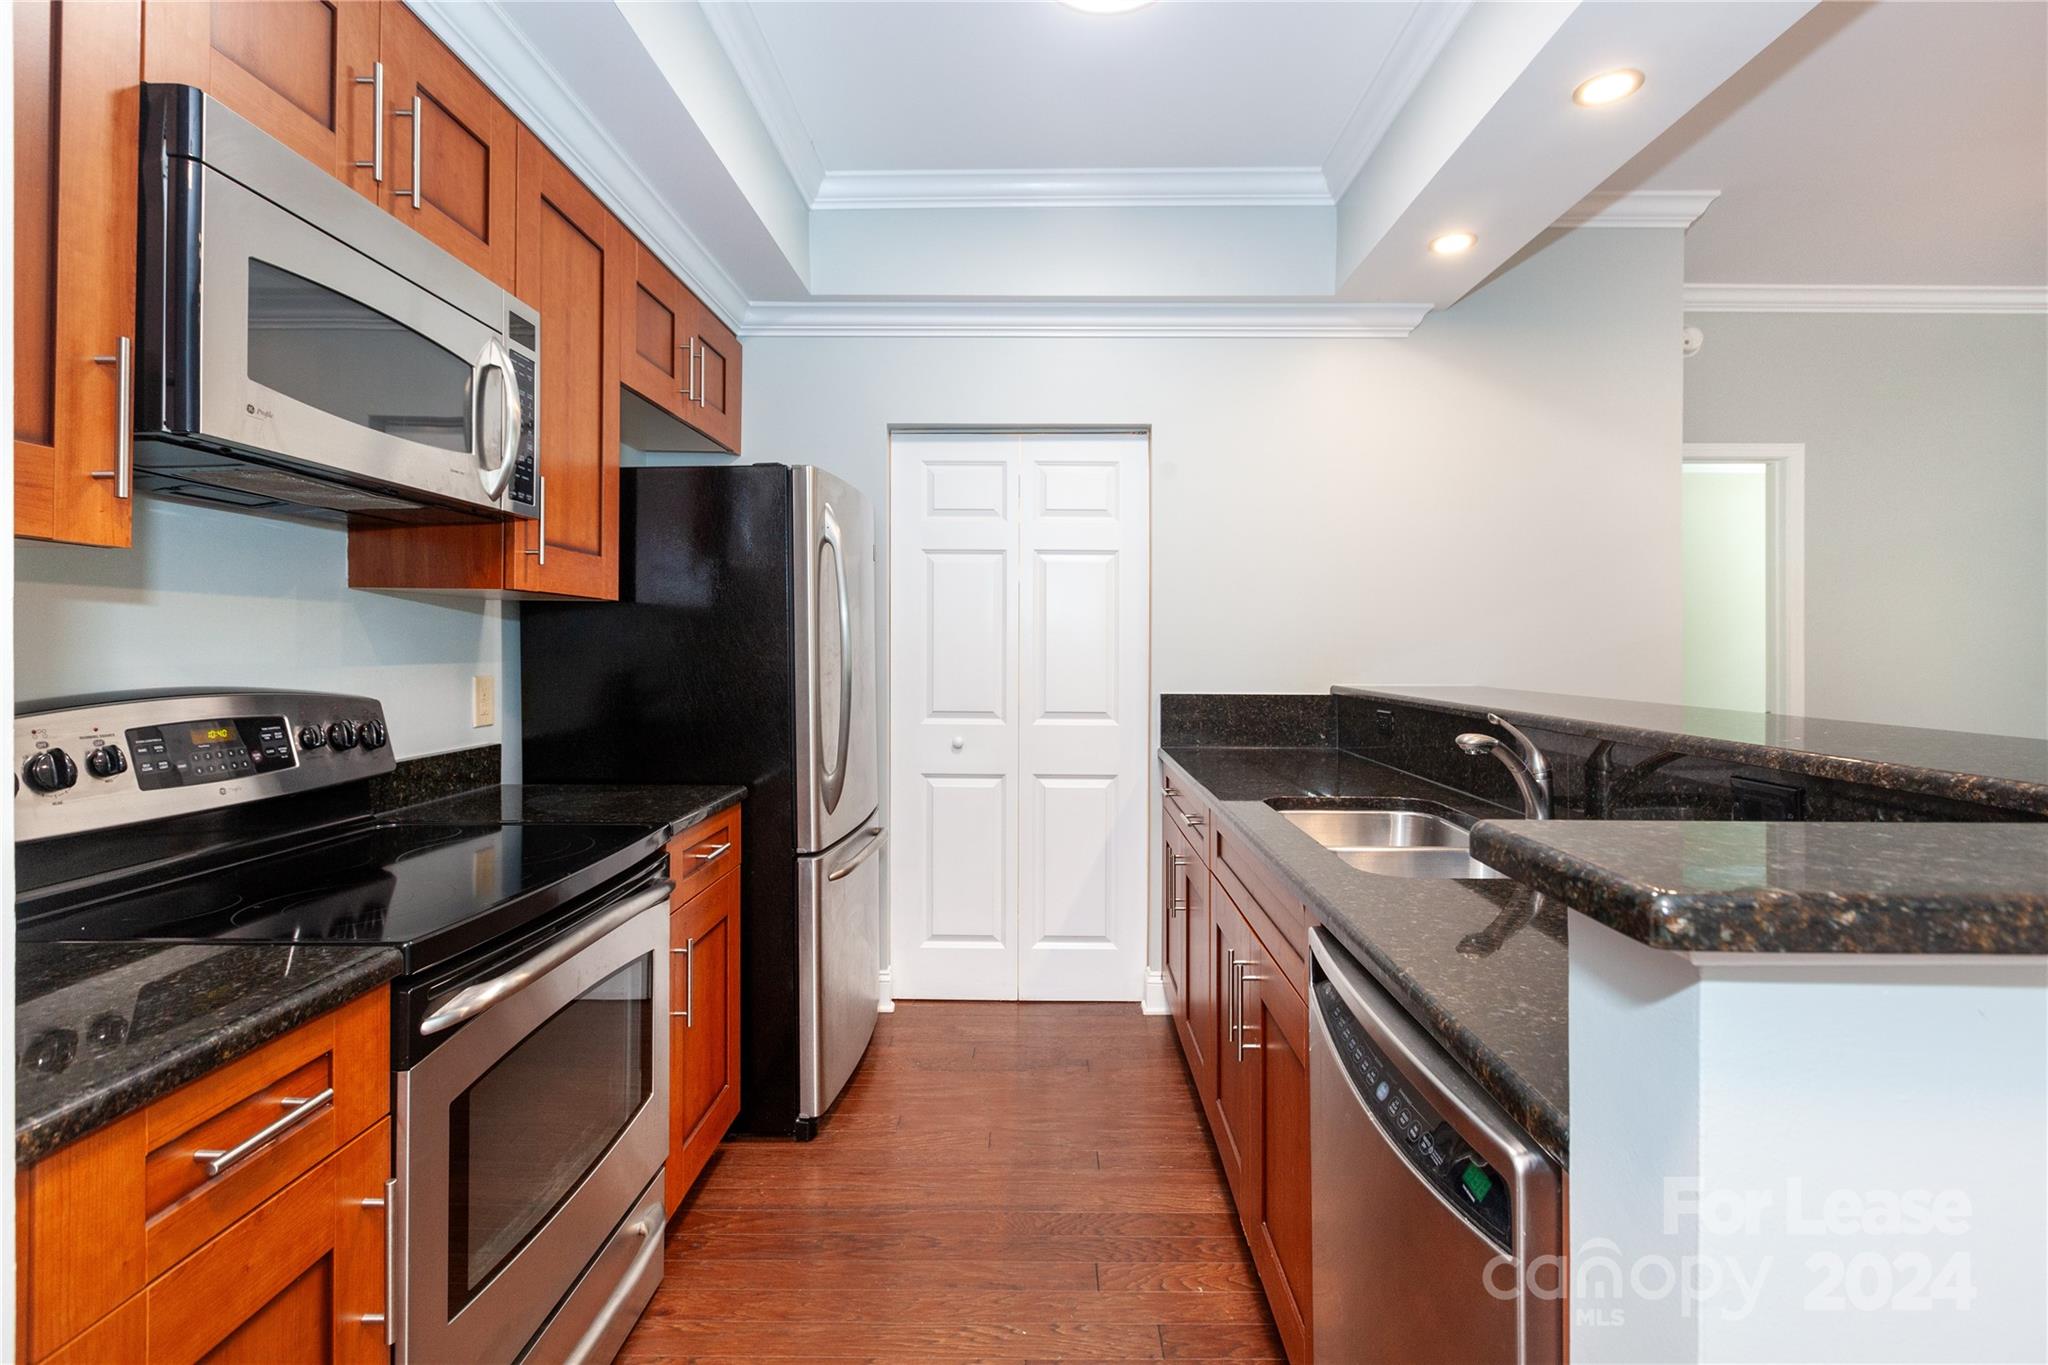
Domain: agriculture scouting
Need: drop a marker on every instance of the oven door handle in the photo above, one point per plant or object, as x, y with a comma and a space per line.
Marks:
471, 1001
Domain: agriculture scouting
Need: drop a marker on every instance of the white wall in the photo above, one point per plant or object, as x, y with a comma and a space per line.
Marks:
223, 599
1926, 502
1493, 499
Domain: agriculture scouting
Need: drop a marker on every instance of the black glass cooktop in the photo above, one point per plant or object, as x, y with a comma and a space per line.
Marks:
431, 890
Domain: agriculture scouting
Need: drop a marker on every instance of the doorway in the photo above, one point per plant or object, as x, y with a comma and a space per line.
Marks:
1018, 662
1744, 516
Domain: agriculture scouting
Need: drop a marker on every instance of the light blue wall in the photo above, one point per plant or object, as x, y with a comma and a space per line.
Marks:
209, 598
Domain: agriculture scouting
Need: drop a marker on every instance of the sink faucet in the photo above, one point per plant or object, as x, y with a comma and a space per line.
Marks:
1528, 767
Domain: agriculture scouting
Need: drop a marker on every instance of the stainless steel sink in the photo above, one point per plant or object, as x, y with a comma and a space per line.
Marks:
1393, 843
1449, 863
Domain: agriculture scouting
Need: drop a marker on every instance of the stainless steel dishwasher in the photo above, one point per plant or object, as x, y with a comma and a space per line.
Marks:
1425, 1193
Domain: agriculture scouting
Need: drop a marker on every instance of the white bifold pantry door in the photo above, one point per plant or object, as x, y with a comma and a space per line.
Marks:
1018, 701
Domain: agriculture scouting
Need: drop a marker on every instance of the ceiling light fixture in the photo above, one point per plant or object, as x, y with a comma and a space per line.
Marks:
1607, 87
1105, 6
1453, 243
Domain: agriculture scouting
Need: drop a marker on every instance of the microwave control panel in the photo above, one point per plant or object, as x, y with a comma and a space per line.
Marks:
529, 411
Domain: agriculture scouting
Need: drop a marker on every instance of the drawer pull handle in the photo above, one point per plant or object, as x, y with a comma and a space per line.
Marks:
388, 1319
1192, 820
715, 851
1170, 791
297, 1110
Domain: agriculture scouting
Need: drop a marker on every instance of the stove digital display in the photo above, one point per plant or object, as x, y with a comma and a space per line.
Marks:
201, 751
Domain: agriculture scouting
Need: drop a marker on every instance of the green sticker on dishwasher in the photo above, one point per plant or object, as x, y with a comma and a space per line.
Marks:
1478, 1182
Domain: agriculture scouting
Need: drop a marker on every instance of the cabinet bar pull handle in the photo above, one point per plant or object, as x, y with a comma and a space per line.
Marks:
375, 164
413, 114
1192, 820
716, 851
123, 472
389, 1317
1244, 975
690, 984
543, 550
703, 354
297, 1110
1230, 993
1168, 790
690, 370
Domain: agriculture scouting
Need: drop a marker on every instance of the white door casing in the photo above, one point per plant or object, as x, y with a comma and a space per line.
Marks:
1018, 609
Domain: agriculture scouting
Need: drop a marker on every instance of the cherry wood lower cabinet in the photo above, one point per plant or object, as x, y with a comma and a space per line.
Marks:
704, 997
1242, 1020
132, 1247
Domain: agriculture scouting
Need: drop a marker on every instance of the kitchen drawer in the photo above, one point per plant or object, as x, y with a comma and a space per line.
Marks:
1280, 923
102, 1217
704, 853
1182, 809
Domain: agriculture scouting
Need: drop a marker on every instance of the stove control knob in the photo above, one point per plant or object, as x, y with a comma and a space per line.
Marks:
373, 734
342, 734
106, 761
312, 737
50, 770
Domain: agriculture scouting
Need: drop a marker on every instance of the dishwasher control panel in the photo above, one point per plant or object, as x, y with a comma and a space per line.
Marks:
1422, 1136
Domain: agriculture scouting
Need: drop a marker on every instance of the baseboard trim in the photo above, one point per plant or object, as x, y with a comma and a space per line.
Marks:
1155, 993
888, 1000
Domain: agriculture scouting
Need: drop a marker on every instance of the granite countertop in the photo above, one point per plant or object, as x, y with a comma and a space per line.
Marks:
1719, 886
671, 808
1998, 770
1481, 964
101, 1029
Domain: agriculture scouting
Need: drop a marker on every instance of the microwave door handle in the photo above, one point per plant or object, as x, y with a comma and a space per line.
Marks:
495, 358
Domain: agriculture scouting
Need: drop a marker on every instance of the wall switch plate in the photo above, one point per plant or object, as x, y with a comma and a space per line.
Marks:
483, 700
1383, 722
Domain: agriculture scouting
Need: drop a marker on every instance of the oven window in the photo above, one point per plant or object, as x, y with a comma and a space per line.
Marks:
330, 352
522, 1137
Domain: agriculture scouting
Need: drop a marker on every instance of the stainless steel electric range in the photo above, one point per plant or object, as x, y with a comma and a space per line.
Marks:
529, 1025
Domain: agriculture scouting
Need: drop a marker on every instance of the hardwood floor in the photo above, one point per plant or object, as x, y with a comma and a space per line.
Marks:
998, 1182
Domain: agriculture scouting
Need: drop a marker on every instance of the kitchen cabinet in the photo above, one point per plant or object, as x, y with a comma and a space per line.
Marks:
288, 66
241, 1216
704, 997
569, 249
454, 157
77, 127
1244, 1033
678, 355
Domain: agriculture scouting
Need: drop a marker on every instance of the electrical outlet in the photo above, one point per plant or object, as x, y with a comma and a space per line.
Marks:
483, 700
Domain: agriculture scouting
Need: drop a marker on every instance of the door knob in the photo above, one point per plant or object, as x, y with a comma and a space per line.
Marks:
959, 743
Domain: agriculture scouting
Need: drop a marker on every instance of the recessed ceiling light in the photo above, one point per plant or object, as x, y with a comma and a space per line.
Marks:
1607, 87
1105, 6
1453, 243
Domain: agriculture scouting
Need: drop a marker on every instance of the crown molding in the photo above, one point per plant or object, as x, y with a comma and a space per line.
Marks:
521, 76
1864, 298
1639, 209
1252, 186
1416, 47
739, 33
1078, 318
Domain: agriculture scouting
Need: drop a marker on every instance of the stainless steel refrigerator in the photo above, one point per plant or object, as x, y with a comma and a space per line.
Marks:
742, 649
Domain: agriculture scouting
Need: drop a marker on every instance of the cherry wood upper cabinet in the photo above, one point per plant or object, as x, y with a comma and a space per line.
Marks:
678, 355
77, 125
569, 247
288, 66
451, 149
716, 390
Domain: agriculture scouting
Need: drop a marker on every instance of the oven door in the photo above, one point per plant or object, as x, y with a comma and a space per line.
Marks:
313, 355
526, 1136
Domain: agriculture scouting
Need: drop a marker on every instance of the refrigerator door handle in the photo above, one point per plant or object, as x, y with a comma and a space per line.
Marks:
835, 771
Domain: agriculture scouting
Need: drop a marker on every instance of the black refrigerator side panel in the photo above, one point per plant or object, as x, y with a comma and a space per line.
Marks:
686, 679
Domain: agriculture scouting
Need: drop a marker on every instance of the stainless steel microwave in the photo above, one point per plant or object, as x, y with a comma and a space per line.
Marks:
301, 351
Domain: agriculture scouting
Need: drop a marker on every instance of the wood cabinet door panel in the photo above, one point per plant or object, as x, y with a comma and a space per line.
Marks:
1277, 1024
77, 111
295, 1279
568, 244
658, 316
463, 191
1237, 1082
288, 66
704, 1058
713, 402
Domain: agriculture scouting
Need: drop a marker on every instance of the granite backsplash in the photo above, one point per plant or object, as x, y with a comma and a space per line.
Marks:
1247, 720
